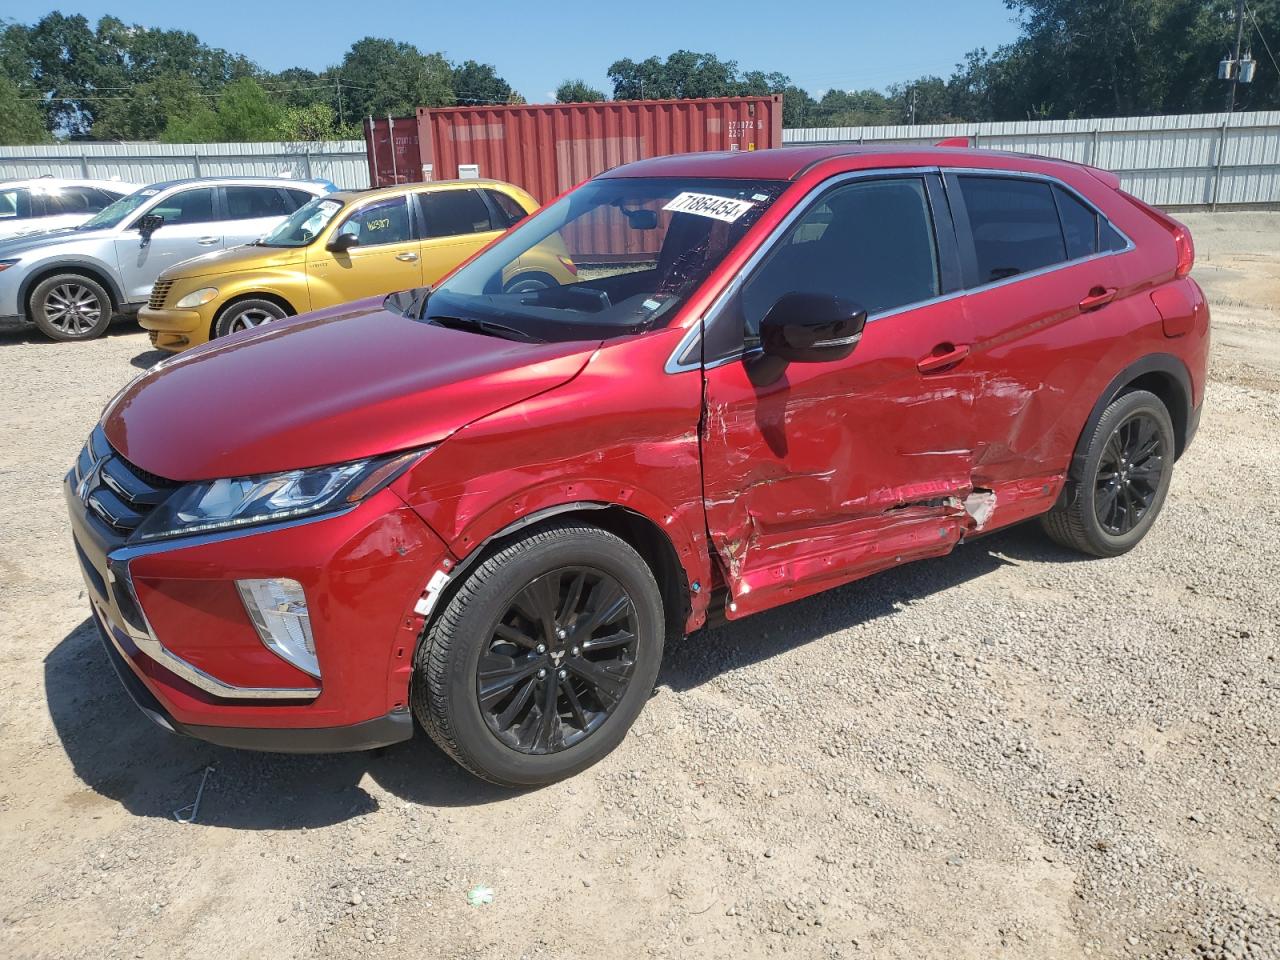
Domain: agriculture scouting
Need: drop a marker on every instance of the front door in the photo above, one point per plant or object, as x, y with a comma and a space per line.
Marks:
384, 260
835, 470
190, 228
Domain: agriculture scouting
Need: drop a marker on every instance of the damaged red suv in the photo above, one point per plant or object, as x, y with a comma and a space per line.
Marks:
488, 507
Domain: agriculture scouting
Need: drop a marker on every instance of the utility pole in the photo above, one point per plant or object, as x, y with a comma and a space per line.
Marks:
1235, 74
337, 84
913, 102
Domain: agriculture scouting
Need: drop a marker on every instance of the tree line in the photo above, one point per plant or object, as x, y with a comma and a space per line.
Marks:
65, 77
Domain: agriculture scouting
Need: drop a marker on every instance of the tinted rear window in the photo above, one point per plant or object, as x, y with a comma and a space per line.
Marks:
452, 213
1014, 225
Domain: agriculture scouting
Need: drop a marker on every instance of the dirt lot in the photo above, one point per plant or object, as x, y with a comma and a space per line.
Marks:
1009, 752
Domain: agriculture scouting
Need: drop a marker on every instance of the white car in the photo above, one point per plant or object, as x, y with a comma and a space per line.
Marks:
71, 282
50, 203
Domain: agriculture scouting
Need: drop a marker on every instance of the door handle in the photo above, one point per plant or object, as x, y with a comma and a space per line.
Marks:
1098, 297
943, 357
407, 257
207, 241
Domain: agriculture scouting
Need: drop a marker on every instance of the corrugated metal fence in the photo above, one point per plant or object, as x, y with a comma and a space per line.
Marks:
1192, 160
341, 161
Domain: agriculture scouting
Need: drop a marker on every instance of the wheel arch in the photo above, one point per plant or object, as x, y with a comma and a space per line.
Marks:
277, 299
95, 271
1160, 373
640, 532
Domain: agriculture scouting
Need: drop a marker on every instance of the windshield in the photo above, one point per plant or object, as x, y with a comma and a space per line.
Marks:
304, 224
110, 216
617, 255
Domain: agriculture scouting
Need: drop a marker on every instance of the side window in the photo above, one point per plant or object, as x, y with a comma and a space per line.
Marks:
453, 213
15, 204
297, 198
507, 206
189, 206
1079, 225
1014, 224
1109, 240
68, 200
379, 223
253, 203
870, 242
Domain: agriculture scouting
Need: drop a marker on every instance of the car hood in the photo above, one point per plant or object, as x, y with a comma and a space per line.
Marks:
235, 260
28, 242
336, 385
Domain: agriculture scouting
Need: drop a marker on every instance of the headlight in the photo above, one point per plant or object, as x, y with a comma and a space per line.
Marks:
197, 298
243, 501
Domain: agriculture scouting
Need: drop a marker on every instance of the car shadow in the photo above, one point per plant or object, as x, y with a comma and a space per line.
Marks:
149, 358
13, 331
730, 646
121, 755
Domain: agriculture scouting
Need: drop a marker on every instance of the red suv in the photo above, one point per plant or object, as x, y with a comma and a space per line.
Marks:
767, 374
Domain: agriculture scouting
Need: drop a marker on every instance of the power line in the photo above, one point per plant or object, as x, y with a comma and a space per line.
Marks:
1257, 27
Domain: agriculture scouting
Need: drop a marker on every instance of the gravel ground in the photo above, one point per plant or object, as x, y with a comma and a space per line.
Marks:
1009, 752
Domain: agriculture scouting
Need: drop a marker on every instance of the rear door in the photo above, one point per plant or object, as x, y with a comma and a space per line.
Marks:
1044, 287
190, 228
837, 469
385, 260
251, 212
456, 222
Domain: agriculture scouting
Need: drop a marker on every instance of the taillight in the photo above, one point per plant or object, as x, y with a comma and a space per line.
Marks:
1186, 248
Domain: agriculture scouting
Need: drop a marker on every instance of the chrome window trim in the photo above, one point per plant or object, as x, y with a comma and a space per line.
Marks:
674, 364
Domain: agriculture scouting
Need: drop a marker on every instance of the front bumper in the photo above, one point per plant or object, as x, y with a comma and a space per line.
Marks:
190, 656
174, 330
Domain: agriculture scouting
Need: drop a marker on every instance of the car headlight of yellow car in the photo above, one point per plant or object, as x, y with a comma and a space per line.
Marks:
197, 298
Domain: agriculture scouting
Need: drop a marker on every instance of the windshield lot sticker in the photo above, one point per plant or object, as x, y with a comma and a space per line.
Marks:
709, 205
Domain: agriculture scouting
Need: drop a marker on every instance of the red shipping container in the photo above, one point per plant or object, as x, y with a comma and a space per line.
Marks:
548, 148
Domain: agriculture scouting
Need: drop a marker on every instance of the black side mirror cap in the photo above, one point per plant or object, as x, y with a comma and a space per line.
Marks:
811, 328
342, 243
150, 223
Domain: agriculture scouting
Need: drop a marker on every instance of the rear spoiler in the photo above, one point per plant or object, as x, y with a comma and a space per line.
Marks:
953, 142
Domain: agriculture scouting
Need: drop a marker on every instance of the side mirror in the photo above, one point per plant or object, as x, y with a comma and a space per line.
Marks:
149, 224
811, 328
342, 243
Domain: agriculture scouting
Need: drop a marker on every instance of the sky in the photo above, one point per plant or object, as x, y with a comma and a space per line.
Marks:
820, 44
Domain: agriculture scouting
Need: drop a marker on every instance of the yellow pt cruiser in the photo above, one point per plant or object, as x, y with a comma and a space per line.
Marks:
344, 246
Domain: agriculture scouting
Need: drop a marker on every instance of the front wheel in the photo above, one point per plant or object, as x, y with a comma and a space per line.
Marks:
543, 657
70, 306
1125, 479
247, 314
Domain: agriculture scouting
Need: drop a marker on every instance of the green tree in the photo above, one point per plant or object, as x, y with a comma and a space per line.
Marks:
246, 113
577, 91
20, 120
314, 122
478, 83
389, 77
146, 111
683, 74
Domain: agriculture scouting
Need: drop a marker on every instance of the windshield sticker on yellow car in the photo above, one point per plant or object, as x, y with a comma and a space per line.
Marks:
709, 205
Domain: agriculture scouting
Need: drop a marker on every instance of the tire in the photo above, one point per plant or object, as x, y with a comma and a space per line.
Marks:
477, 624
69, 307
1125, 479
247, 314
530, 282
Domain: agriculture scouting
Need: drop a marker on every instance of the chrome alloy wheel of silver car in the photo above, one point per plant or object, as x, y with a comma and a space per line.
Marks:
248, 319
72, 308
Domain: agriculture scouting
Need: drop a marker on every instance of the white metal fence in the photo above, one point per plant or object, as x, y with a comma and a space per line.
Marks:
1189, 160
341, 161
1177, 161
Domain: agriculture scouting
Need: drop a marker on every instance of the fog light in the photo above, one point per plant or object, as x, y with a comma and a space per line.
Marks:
278, 609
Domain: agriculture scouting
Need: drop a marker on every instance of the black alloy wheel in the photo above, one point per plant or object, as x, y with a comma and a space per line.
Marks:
559, 660
1129, 474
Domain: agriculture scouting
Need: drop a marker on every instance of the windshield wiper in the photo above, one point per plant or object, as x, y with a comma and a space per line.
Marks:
485, 327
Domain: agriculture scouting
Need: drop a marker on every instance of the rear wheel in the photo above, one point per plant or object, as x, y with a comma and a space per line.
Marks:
543, 658
70, 306
1124, 481
530, 283
247, 314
